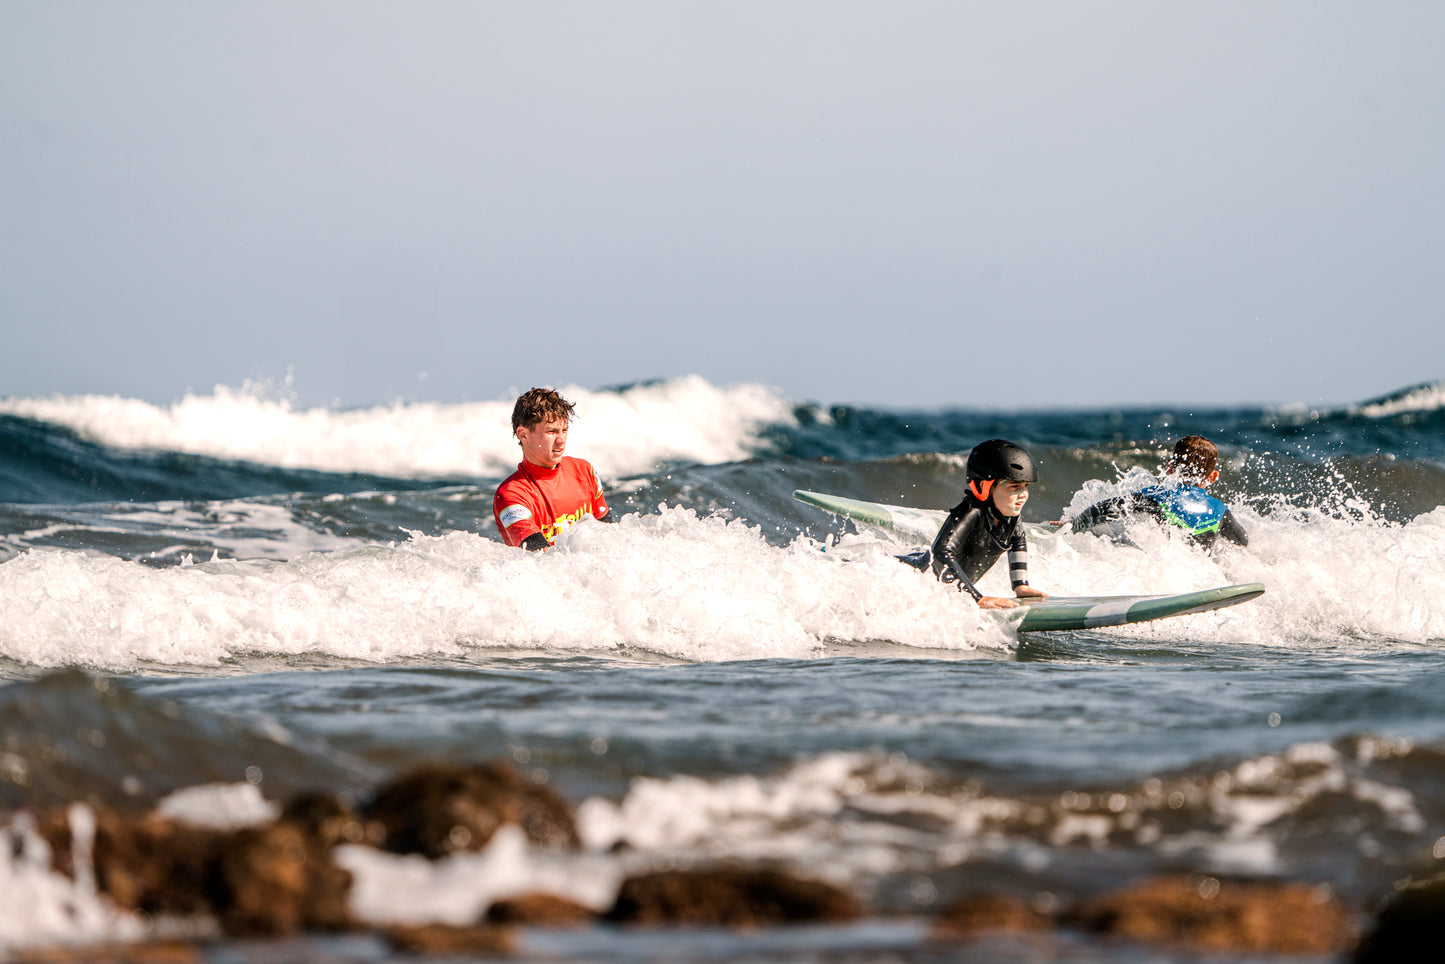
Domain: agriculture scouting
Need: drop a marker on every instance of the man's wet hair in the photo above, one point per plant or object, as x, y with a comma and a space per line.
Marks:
538, 405
1195, 457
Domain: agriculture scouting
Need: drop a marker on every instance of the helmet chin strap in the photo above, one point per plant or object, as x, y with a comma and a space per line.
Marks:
981, 494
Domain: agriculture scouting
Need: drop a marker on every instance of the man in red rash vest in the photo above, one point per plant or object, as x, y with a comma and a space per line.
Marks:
549, 490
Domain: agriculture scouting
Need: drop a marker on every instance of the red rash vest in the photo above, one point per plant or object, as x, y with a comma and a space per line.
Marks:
536, 499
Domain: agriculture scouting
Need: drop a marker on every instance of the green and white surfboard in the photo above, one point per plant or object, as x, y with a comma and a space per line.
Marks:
920, 524
1057, 613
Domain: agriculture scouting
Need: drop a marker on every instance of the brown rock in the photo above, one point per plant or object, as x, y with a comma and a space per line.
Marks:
155, 865
445, 939
278, 880
326, 819
978, 913
442, 809
546, 910
1409, 929
143, 863
730, 897
146, 952
272, 880
1222, 915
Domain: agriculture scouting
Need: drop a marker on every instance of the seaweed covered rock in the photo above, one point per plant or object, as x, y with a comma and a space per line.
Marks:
441, 809
982, 913
328, 819
145, 863
731, 897
1410, 928
450, 940
1214, 914
545, 910
278, 880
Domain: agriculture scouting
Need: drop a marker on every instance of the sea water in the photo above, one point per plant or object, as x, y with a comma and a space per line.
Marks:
213, 605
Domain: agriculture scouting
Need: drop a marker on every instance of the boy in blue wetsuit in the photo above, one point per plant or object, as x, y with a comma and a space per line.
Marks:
1182, 502
986, 524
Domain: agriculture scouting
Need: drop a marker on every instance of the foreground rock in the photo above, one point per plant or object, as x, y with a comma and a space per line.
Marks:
267, 881
989, 913
280, 880
1210, 914
277, 880
540, 910
730, 897
328, 820
451, 941
442, 809
1410, 928
147, 952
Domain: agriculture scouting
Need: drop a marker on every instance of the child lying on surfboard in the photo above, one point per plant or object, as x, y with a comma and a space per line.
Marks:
986, 524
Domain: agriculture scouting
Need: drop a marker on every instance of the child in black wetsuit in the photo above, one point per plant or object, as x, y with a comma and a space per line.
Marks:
986, 524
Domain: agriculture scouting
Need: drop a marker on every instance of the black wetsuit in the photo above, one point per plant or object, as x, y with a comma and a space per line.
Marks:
972, 538
1122, 508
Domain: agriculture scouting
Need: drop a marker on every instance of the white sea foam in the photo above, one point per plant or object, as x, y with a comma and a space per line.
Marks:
795, 817
408, 889
1236, 819
670, 583
1328, 580
242, 528
622, 433
43, 907
220, 806
696, 588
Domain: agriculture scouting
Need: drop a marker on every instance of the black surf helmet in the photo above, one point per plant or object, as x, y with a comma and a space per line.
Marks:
995, 460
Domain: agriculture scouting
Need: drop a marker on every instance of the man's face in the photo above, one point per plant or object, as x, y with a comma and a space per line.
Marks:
544, 443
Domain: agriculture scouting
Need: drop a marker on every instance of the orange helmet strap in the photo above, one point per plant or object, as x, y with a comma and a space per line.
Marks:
981, 494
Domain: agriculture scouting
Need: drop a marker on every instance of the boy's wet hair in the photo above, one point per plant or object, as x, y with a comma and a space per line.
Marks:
538, 405
1195, 457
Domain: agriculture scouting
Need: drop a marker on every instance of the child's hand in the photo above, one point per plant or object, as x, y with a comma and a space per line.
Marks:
1029, 592
997, 602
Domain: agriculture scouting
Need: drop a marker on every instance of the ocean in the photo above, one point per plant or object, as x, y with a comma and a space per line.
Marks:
215, 605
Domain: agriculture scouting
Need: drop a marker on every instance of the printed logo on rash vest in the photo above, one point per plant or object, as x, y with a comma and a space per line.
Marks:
562, 522
513, 514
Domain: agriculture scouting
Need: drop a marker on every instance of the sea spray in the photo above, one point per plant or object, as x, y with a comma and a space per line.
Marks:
670, 583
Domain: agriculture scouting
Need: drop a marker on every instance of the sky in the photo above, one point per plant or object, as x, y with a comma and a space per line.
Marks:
905, 204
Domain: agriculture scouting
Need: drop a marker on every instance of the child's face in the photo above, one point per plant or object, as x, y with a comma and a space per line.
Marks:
1009, 497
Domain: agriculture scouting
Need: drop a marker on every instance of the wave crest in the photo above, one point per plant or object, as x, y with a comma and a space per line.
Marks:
622, 432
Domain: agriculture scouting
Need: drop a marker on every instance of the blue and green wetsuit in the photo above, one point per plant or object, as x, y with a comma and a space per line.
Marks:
1188, 507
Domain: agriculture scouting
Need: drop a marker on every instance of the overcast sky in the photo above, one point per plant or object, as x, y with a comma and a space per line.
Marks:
911, 204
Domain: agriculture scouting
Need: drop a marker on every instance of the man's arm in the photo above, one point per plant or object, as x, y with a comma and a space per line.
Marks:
536, 542
512, 509
602, 512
